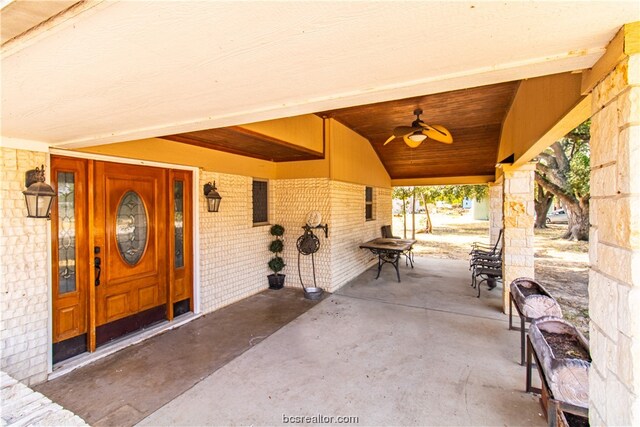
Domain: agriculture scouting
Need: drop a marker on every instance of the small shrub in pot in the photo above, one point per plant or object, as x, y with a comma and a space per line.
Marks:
276, 264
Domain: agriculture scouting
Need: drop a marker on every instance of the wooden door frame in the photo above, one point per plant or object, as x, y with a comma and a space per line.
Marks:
195, 235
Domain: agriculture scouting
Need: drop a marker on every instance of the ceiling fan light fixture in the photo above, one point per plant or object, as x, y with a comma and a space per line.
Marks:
411, 143
419, 132
417, 136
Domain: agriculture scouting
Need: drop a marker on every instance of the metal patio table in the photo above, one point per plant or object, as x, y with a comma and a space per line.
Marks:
389, 251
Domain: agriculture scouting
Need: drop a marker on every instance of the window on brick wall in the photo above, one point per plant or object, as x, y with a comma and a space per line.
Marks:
369, 210
260, 202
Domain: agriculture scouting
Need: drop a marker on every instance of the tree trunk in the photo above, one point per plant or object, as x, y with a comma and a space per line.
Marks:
413, 214
428, 226
577, 209
542, 203
404, 217
578, 216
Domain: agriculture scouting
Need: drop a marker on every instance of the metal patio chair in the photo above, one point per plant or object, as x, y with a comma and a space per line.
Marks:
487, 270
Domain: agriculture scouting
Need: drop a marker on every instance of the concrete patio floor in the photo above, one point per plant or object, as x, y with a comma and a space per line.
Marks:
425, 351
422, 352
123, 388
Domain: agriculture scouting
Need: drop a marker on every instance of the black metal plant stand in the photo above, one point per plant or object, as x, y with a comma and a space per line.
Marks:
309, 244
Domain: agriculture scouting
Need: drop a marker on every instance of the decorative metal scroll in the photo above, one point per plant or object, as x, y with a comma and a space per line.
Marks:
178, 224
131, 228
66, 233
308, 243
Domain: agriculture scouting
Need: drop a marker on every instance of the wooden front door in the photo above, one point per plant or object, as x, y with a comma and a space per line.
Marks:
130, 245
122, 250
70, 254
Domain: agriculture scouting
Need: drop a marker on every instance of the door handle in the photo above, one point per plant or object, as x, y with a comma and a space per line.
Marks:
96, 264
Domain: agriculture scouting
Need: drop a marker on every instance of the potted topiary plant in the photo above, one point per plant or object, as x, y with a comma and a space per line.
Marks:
276, 264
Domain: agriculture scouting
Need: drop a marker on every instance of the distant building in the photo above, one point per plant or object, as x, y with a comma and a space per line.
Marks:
480, 209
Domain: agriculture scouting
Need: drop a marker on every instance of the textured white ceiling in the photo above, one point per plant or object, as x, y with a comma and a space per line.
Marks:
135, 69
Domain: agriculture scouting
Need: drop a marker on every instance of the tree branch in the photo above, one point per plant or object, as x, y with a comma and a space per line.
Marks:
561, 157
549, 159
551, 175
558, 191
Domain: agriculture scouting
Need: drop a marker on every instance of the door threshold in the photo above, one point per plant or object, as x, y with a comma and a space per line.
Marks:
66, 366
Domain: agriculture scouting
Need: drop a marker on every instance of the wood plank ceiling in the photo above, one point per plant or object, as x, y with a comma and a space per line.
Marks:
238, 140
473, 116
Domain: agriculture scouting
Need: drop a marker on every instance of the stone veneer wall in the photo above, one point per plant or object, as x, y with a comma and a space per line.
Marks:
22, 406
495, 211
614, 248
518, 253
24, 273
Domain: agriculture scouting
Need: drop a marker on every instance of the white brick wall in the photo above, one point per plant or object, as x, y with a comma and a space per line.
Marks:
349, 229
295, 198
233, 253
342, 207
24, 289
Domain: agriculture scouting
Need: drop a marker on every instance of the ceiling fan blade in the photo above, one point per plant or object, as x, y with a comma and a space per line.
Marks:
438, 133
411, 143
391, 138
404, 130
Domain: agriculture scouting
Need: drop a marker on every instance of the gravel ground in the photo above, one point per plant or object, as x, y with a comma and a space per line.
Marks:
560, 265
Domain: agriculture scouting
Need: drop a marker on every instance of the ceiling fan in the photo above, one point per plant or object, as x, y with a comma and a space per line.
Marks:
415, 134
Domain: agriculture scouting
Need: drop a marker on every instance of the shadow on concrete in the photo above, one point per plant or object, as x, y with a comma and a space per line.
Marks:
425, 351
125, 387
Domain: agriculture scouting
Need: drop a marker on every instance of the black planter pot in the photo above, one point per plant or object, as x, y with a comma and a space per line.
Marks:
276, 281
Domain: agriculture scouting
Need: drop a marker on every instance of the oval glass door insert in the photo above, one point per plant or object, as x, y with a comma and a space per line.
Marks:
131, 228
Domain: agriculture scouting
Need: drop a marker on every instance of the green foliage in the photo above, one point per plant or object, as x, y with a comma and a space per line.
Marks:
402, 193
276, 264
276, 230
563, 169
569, 168
582, 133
453, 194
579, 172
276, 246
576, 145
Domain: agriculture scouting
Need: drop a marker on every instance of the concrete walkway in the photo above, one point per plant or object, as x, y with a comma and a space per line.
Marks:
422, 352
125, 387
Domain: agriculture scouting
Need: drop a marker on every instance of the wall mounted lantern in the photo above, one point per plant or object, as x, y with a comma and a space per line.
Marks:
38, 195
212, 196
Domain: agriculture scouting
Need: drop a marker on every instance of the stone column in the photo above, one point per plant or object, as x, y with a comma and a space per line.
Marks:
614, 248
495, 210
518, 209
